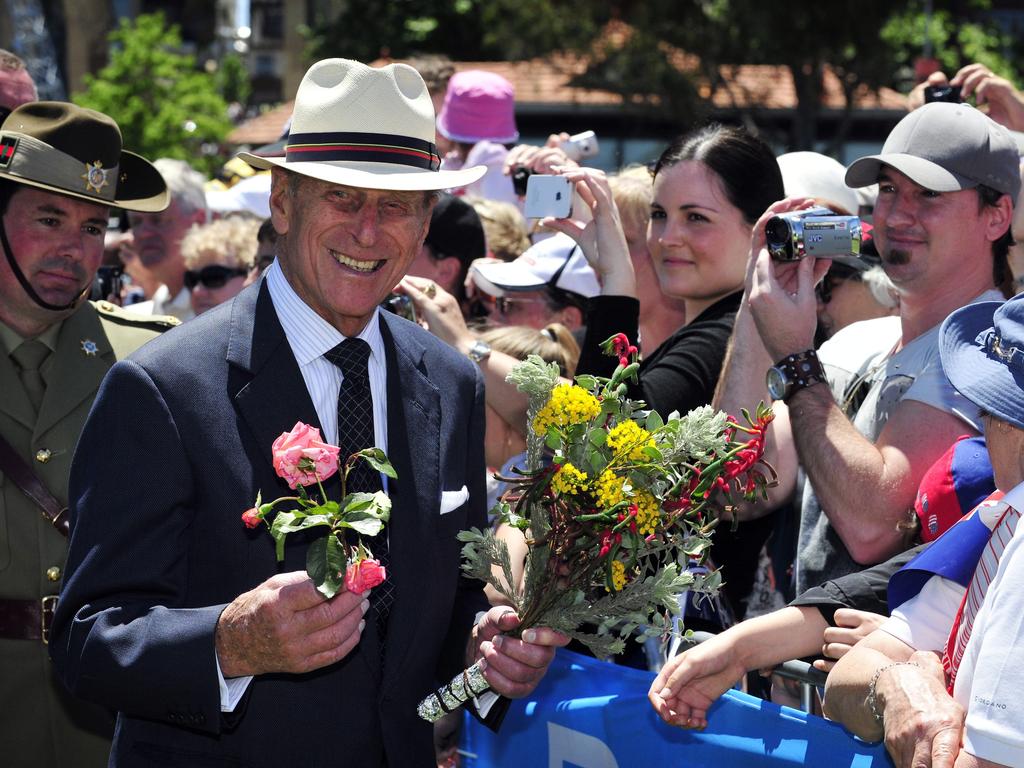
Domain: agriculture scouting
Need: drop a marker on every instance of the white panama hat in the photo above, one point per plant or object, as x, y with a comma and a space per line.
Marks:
365, 127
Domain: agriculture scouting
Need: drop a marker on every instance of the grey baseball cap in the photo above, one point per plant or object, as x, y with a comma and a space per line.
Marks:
945, 148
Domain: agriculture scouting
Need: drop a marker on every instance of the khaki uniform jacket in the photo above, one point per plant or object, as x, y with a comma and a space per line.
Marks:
42, 725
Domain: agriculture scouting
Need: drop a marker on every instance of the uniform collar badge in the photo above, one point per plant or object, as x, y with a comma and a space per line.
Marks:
89, 347
95, 176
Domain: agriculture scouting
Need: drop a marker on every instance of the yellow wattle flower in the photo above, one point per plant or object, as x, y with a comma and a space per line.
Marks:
569, 404
648, 512
569, 481
618, 575
609, 489
627, 439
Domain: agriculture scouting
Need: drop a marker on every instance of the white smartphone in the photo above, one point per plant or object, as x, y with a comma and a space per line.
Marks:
548, 196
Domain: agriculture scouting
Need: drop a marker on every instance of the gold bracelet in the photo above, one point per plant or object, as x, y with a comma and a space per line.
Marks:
872, 696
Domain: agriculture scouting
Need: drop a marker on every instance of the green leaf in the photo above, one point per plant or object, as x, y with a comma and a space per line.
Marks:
377, 459
552, 440
360, 506
587, 381
597, 437
316, 563
654, 422
369, 526
337, 562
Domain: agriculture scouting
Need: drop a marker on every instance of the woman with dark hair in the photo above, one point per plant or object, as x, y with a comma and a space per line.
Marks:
710, 186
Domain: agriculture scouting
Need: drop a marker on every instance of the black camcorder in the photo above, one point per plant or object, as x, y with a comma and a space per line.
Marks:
948, 93
816, 232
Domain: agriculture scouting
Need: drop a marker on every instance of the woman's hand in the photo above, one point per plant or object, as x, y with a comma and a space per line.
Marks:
691, 682
601, 239
438, 311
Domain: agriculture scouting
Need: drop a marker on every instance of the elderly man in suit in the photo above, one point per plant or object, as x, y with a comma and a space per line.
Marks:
181, 619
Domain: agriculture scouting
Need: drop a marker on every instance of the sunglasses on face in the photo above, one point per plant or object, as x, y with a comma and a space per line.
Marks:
213, 276
506, 305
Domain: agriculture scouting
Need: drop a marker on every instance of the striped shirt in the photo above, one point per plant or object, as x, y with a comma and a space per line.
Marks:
1002, 532
310, 336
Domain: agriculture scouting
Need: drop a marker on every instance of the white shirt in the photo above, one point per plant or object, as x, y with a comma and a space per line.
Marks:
310, 336
180, 306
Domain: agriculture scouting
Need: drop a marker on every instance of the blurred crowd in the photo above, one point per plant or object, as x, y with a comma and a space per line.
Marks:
895, 373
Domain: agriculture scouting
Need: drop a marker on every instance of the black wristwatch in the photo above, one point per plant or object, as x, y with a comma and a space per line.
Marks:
793, 373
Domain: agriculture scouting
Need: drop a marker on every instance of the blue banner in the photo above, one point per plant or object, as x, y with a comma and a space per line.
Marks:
592, 714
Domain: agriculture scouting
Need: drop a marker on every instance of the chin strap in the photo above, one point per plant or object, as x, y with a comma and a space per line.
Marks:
25, 283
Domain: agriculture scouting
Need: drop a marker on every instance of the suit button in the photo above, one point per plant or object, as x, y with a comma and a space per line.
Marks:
53, 573
43, 455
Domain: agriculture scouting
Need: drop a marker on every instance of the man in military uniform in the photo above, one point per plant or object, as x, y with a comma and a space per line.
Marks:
61, 168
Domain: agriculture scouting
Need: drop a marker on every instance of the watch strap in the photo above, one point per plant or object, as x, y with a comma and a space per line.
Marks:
802, 370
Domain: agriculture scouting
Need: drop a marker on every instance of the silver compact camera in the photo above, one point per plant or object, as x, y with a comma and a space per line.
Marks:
814, 232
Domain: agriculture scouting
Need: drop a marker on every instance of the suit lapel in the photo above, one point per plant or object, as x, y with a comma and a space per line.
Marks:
265, 380
414, 440
75, 375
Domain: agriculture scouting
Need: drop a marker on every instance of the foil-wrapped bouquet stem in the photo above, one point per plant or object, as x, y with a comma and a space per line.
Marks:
626, 501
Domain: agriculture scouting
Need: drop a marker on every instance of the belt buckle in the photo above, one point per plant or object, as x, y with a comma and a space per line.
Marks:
48, 605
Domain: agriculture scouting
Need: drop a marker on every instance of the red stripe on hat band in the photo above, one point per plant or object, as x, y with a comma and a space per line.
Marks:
357, 148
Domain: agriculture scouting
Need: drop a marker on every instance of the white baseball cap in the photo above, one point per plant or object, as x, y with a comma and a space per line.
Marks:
556, 262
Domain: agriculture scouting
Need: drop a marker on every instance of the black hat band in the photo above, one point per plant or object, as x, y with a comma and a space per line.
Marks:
362, 147
28, 158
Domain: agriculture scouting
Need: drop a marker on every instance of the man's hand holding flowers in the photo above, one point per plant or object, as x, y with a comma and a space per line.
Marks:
300, 621
512, 666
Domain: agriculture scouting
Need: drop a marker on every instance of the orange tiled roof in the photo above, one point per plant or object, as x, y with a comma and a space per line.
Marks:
545, 83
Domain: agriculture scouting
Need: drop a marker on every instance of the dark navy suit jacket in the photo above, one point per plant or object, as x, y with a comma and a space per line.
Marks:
175, 449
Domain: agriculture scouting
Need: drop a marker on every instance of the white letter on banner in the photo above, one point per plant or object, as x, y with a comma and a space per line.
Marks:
577, 748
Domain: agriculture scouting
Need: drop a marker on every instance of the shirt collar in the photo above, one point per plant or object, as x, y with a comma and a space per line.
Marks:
309, 335
11, 339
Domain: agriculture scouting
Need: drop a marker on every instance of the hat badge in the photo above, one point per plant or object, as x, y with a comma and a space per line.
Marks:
95, 176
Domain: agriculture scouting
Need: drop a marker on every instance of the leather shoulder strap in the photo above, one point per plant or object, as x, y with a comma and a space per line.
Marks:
22, 475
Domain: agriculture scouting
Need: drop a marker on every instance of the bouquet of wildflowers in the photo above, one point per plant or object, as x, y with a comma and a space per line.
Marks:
627, 499
302, 459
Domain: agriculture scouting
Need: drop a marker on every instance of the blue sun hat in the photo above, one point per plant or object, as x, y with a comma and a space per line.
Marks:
982, 350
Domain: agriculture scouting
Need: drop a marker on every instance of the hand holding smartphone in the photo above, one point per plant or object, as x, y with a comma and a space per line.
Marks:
548, 196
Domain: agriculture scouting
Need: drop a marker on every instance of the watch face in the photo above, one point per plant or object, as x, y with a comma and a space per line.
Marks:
777, 383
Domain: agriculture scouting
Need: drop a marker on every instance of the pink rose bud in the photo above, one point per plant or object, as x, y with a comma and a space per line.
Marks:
251, 518
363, 575
302, 458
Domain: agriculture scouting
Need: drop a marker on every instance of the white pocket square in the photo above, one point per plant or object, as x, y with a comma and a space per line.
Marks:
453, 499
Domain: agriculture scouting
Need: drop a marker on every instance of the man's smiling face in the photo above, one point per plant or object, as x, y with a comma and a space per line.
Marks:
343, 249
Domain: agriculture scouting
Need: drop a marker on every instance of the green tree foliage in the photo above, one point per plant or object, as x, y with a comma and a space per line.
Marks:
956, 39
232, 79
465, 30
163, 104
867, 44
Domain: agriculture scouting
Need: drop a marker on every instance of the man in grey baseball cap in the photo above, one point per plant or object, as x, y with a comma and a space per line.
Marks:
872, 409
946, 148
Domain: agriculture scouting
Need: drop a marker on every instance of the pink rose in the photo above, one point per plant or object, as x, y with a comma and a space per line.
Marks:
302, 458
251, 518
363, 575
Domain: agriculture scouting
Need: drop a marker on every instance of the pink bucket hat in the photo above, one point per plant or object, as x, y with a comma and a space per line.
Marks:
478, 106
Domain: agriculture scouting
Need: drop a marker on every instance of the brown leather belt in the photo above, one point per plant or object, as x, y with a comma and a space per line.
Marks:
27, 619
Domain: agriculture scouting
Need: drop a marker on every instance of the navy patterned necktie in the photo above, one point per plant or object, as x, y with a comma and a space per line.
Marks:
355, 432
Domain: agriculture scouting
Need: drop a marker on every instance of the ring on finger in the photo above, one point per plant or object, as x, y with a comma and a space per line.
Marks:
430, 289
